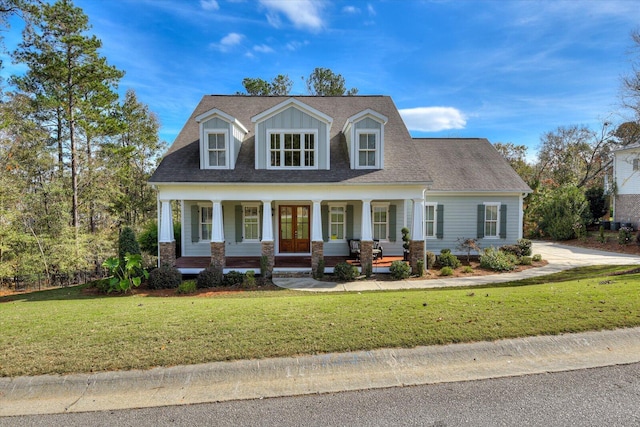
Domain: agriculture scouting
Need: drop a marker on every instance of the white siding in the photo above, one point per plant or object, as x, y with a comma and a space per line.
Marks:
627, 180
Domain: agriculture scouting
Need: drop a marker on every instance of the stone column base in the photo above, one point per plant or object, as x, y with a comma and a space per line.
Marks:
416, 253
366, 256
218, 259
167, 253
268, 252
317, 255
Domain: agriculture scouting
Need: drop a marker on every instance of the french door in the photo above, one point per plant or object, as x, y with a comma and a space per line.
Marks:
294, 228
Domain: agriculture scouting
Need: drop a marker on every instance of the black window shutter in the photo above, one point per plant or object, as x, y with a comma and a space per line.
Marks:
349, 222
195, 223
503, 221
392, 223
238, 223
440, 221
480, 221
324, 215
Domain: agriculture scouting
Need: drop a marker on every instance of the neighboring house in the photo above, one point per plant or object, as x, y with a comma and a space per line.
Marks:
264, 178
626, 176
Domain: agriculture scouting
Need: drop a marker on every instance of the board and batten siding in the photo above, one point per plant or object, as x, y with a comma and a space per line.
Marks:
294, 119
627, 179
460, 220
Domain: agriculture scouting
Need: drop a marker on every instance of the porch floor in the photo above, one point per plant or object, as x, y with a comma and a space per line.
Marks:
280, 262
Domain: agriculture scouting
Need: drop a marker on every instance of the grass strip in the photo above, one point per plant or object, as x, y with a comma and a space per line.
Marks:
64, 331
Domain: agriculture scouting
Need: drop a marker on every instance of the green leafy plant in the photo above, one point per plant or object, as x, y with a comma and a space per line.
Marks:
319, 273
400, 270
467, 245
345, 272
405, 239
446, 271
127, 276
601, 237
431, 260
536, 258
526, 260
496, 260
209, 278
249, 279
467, 269
187, 287
233, 278
165, 277
625, 235
420, 268
447, 259
525, 247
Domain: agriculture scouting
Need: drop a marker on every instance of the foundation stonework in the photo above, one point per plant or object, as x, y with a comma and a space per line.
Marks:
416, 253
268, 251
167, 253
628, 209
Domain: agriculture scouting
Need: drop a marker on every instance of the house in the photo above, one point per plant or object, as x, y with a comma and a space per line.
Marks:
267, 179
626, 176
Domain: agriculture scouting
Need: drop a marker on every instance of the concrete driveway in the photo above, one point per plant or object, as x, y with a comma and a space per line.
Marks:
560, 257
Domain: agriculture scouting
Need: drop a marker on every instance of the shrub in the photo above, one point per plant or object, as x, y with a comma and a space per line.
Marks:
249, 279
368, 270
526, 260
511, 249
446, 271
467, 245
559, 213
264, 267
233, 278
420, 268
400, 270
525, 247
345, 272
431, 260
624, 235
187, 287
447, 259
601, 237
209, 278
537, 258
467, 269
165, 277
497, 260
127, 244
125, 276
638, 238
319, 273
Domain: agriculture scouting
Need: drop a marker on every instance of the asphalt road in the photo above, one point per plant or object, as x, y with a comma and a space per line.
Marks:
608, 396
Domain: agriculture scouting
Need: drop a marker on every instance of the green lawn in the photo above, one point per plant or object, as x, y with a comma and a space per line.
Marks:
64, 331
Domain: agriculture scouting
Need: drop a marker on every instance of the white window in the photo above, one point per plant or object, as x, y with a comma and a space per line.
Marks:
337, 222
491, 219
216, 156
636, 164
380, 219
206, 221
250, 223
368, 148
430, 220
293, 149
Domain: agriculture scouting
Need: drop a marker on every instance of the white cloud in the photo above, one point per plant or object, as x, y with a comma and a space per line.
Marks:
304, 14
295, 45
350, 9
209, 4
263, 48
371, 10
433, 119
227, 42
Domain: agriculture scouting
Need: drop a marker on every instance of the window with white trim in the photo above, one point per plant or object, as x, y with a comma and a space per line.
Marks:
491, 219
206, 222
250, 223
368, 148
380, 219
216, 156
430, 219
337, 222
289, 149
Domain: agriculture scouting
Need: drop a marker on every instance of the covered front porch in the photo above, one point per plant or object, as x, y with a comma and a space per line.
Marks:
194, 265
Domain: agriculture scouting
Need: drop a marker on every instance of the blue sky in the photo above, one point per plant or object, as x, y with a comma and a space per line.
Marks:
505, 70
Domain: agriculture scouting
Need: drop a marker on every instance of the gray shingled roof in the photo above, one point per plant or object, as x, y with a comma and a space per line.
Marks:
447, 164
181, 162
467, 164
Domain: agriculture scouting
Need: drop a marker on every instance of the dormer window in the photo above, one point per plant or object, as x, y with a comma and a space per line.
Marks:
368, 152
295, 149
217, 149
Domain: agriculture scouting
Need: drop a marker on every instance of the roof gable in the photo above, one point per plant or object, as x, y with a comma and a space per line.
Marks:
295, 103
219, 113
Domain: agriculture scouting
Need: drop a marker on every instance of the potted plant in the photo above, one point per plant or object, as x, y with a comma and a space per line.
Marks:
405, 240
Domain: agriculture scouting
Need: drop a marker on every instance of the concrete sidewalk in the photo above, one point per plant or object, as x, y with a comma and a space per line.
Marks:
253, 379
559, 258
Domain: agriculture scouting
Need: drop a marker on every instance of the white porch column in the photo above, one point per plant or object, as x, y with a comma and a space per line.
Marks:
316, 224
267, 222
166, 222
417, 226
217, 227
366, 232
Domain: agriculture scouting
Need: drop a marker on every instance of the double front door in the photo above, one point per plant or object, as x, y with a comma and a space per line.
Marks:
294, 228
